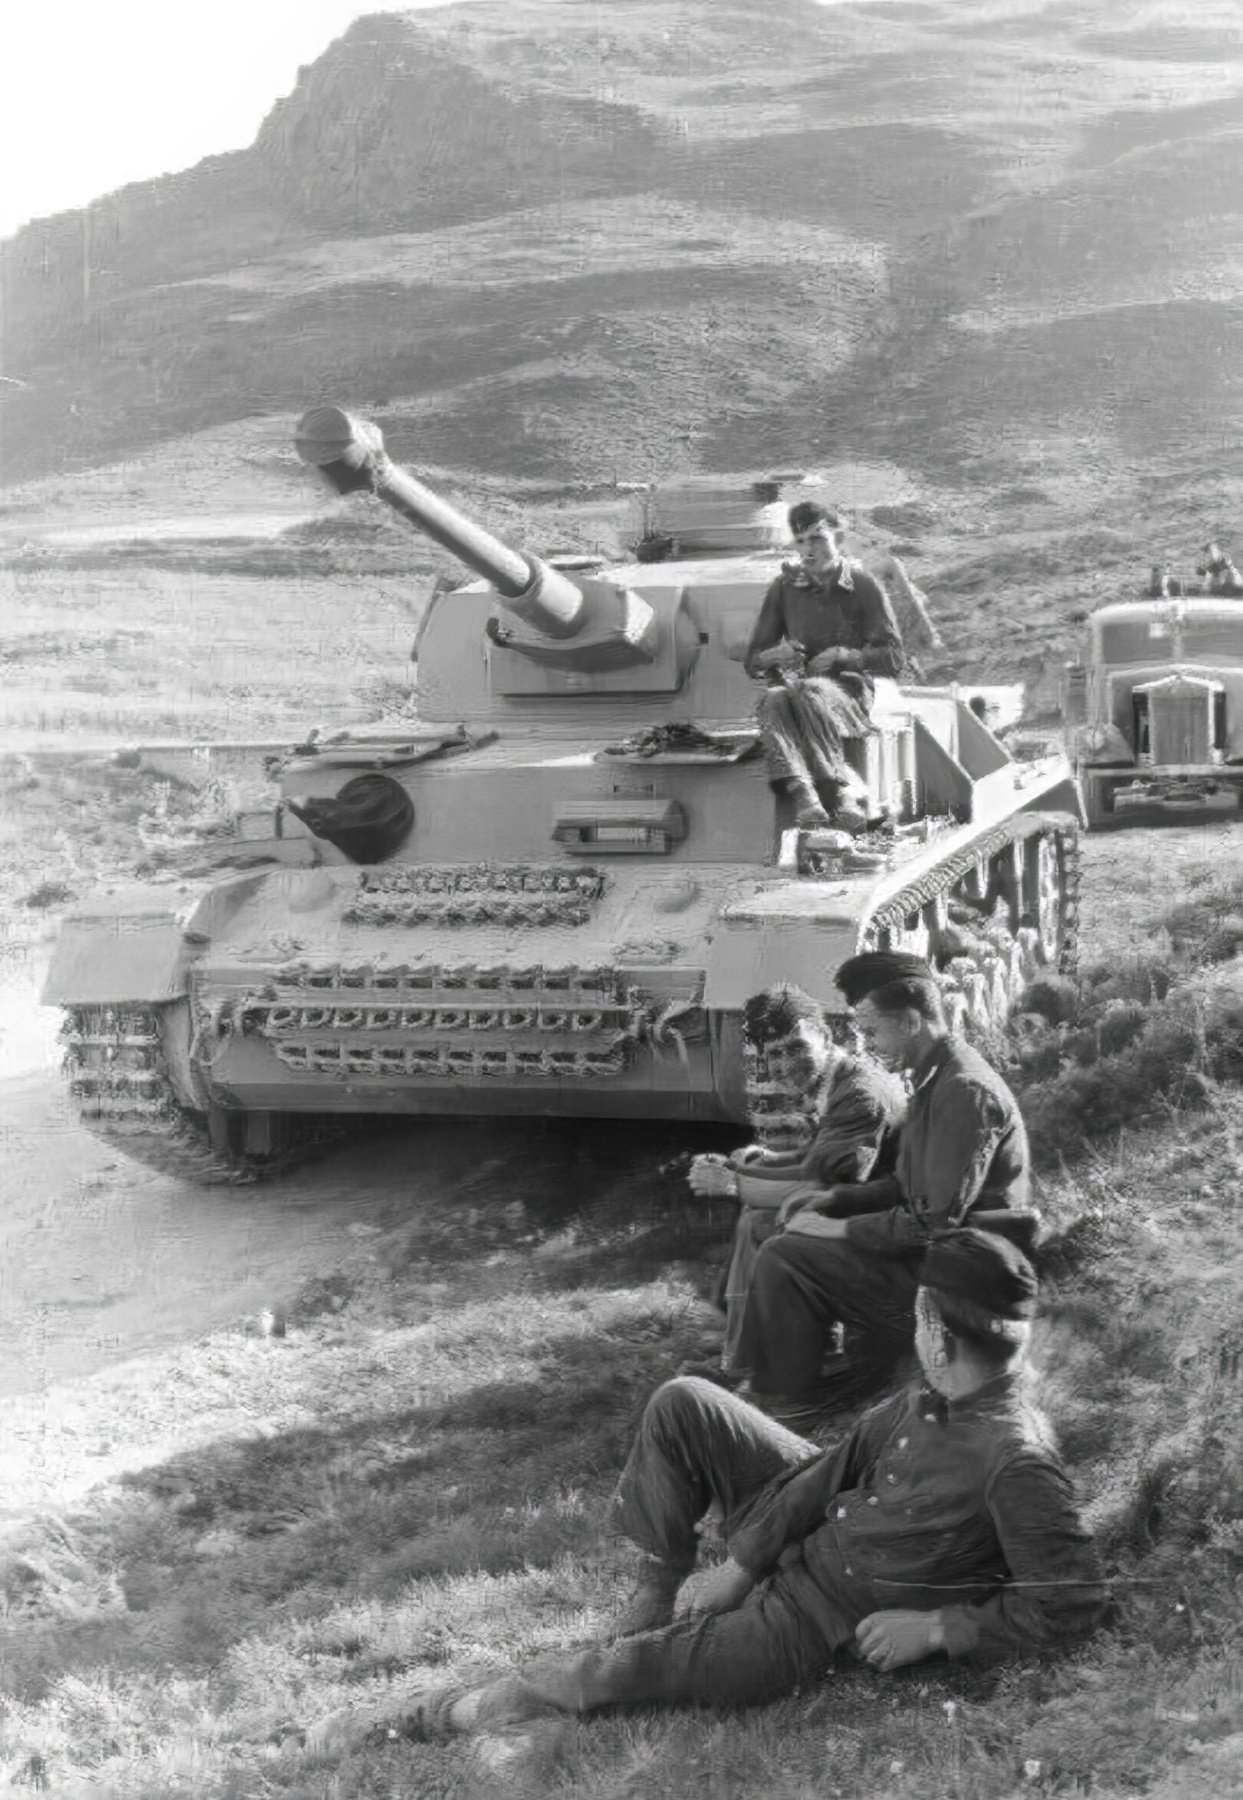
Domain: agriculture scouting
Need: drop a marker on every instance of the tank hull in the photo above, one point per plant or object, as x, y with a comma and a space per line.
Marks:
260, 1037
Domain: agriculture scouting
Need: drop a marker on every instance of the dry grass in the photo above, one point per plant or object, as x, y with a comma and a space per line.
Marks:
1151, 1034
415, 1477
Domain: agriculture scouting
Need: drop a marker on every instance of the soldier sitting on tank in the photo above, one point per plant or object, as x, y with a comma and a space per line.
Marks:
943, 1525
849, 1255
822, 1115
824, 632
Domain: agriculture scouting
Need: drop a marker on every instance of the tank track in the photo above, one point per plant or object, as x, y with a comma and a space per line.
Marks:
985, 964
118, 1076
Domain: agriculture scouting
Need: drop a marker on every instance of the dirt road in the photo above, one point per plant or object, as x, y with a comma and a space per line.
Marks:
104, 1259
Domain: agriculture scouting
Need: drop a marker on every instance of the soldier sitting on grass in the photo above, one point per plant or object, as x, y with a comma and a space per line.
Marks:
849, 1253
822, 1114
942, 1525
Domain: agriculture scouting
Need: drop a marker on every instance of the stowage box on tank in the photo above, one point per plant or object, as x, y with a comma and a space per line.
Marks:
579, 873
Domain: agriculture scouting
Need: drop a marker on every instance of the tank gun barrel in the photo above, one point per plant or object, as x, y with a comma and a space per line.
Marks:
350, 453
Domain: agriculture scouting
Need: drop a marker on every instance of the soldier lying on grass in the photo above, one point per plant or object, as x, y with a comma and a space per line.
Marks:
944, 1524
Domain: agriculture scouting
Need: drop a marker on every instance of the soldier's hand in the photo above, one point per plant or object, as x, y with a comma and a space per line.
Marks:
721, 1591
798, 1197
814, 1224
755, 1155
833, 657
712, 1178
827, 660
890, 1640
341, 1730
782, 656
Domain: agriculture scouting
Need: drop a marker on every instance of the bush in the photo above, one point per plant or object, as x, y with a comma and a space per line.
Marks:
1145, 978
1172, 1061
1123, 1022
1054, 998
48, 893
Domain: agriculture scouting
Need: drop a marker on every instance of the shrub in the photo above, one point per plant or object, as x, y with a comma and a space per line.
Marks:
48, 893
1172, 1062
1054, 998
1123, 1022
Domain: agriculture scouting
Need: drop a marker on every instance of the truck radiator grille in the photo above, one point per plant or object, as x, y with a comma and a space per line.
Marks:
1180, 727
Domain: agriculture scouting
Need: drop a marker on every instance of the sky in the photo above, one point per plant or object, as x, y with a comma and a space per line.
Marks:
95, 93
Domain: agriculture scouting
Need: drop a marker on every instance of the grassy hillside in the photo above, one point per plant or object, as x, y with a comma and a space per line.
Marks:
209, 1547
968, 242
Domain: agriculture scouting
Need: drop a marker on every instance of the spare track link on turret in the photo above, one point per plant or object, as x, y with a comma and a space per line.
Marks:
118, 1076
984, 962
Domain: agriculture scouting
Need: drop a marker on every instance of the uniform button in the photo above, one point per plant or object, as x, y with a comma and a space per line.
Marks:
891, 1478
841, 1512
849, 1570
872, 1500
930, 1418
902, 1443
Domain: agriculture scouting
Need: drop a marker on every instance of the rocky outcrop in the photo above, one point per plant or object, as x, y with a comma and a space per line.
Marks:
391, 129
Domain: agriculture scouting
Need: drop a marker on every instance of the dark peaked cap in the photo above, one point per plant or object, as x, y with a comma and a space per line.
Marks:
980, 1280
861, 975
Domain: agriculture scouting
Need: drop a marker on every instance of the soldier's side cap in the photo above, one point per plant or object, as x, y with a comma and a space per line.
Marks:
806, 513
981, 1281
861, 975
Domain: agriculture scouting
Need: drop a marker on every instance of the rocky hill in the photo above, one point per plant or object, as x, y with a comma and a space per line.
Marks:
998, 244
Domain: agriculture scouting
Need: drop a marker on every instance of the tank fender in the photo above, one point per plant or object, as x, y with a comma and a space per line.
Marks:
138, 945
754, 949
118, 953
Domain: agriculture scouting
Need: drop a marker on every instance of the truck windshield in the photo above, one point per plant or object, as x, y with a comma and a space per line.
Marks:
1153, 640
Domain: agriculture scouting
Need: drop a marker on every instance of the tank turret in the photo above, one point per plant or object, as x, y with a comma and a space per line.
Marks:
553, 618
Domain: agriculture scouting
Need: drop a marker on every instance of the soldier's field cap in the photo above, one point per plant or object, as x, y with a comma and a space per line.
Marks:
980, 1281
862, 975
804, 514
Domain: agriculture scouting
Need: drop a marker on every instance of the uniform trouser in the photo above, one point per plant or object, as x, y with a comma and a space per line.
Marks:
800, 1288
802, 725
755, 1226
696, 1444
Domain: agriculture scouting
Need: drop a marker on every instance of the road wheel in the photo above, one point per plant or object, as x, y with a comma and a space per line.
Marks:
1045, 908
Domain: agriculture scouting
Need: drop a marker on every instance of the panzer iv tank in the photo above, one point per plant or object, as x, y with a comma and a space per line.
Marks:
579, 873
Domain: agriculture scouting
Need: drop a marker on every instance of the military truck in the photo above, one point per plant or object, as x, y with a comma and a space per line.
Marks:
562, 882
1154, 711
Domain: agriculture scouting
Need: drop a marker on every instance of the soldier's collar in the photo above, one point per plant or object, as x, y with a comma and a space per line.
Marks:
836, 575
930, 1064
939, 1408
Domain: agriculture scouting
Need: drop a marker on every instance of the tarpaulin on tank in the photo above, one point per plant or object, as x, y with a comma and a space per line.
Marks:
368, 820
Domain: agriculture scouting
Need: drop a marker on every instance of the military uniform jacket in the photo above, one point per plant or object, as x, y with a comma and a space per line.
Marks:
849, 608
931, 1503
963, 1149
